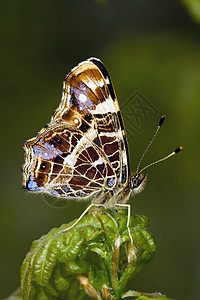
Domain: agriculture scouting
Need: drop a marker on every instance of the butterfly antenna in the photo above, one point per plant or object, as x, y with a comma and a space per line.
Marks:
147, 148
177, 150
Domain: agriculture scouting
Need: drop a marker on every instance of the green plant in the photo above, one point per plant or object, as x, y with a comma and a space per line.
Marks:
95, 258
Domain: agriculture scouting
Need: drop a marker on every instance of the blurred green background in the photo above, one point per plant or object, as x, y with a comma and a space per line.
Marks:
148, 46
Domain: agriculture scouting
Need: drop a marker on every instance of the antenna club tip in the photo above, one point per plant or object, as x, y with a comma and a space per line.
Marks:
162, 120
177, 150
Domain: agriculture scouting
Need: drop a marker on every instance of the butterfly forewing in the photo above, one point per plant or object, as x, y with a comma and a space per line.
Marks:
83, 150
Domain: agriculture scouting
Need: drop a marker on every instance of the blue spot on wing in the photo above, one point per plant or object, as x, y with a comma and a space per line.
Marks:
123, 174
32, 184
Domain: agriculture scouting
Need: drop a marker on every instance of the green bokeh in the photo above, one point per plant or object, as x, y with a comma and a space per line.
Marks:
148, 46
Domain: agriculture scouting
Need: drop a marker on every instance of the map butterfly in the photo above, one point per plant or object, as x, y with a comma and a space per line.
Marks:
83, 152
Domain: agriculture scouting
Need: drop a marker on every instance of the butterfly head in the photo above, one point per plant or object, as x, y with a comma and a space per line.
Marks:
138, 182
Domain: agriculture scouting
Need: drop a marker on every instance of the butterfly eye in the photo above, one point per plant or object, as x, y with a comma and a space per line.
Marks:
135, 182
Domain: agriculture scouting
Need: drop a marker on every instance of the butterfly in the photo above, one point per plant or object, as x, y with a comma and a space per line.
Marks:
83, 152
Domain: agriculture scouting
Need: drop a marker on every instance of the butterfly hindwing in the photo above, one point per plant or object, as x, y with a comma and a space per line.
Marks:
56, 165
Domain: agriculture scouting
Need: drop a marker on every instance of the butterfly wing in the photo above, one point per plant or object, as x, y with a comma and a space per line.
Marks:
84, 149
89, 101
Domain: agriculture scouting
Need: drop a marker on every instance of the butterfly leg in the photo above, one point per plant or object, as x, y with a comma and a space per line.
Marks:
128, 218
85, 211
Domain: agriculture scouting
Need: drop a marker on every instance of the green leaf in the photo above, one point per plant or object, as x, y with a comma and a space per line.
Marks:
125, 277
97, 248
26, 276
60, 283
72, 242
97, 277
45, 259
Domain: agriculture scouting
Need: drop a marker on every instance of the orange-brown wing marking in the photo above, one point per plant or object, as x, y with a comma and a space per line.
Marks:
81, 92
